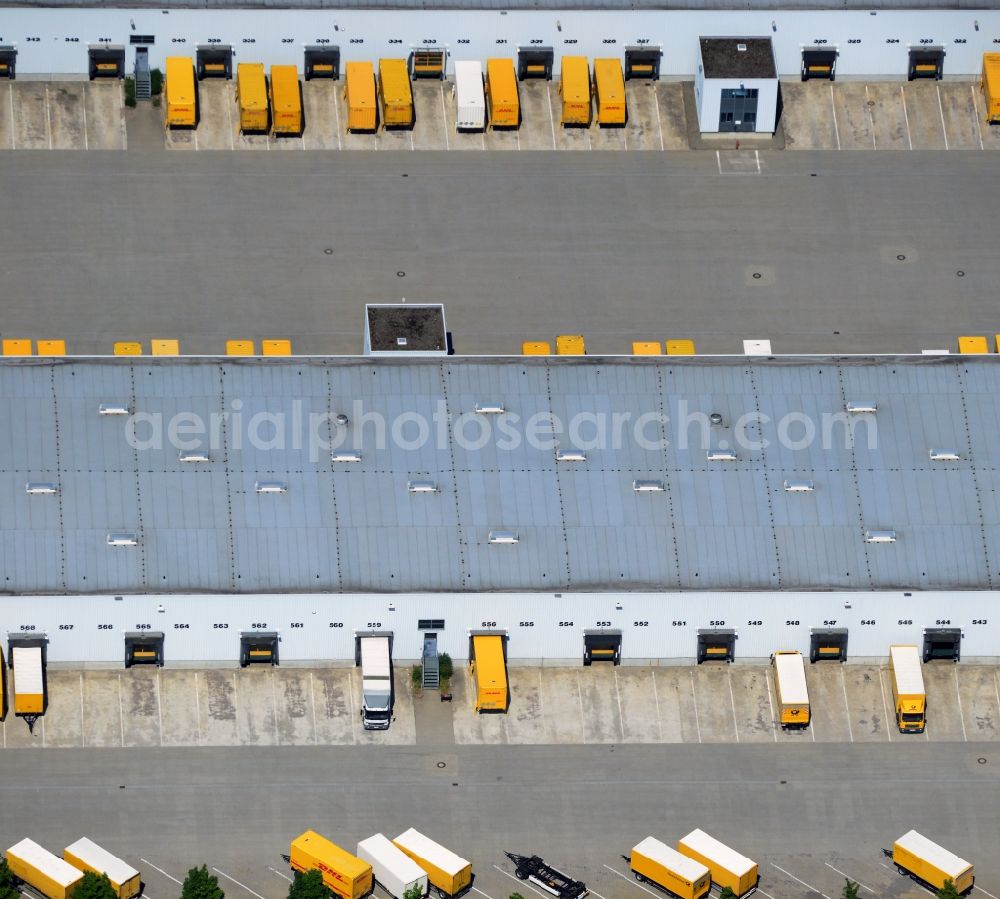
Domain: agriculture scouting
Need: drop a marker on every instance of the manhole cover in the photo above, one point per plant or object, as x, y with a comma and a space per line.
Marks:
442, 765
756, 276
900, 257
328, 251
981, 760
960, 273
871, 104
400, 274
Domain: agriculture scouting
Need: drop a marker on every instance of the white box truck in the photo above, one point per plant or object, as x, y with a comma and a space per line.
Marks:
394, 870
470, 99
376, 682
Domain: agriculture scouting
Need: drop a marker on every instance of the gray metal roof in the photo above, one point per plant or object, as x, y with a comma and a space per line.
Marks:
355, 527
517, 4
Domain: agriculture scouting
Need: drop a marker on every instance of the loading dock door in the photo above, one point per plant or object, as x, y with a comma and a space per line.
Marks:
106, 61
214, 61
828, 644
716, 646
322, 62
8, 61
602, 646
535, 62
427, 63
643, 62
144, 648
926, 62
818, 63
942, 644
258, 647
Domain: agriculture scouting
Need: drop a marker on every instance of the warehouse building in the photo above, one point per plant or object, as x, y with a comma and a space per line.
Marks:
198, 511
736, 85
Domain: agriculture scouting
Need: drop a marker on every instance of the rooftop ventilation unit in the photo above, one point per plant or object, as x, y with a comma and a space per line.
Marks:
113, 409
271, 487
742, 48
944, 456
570, 456
421, 487
862, 408
35, 488
490, 409
346, 457
122, 538
195, 456
721, 456
799, 485
503, 537
647, 486
880, 536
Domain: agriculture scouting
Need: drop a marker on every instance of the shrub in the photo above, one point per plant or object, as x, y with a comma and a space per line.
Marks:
155, 82
130, 93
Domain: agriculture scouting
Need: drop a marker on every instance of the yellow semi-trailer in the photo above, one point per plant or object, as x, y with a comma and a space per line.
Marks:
676, 874
86, 855
448, 873
609, 92
393, 869
27, 668
394, 94
359, 92
502, 100
43, 871
909, 697
489, 673
991, 87
793, 692
930, 864
286, 101
728, 867
182, 102
346, 875
574, 89
251, 94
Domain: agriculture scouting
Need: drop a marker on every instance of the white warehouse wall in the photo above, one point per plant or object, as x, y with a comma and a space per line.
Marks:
709, 102
54, 41
658, 627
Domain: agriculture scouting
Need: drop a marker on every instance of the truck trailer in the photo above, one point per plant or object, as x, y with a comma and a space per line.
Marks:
251, 94
574, 89
286, 101
392, 868
609, 92
470, 100
448, 873
181, 96
790, 685
43, 871
28, 668
553, 881
501, 93
376, 682
359, 93
488, 666
930, 864
86, 855
394, 93
345, 875
909, 697
728, 867
677, 875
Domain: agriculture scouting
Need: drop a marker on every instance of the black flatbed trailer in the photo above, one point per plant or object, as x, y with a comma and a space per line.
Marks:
531, 867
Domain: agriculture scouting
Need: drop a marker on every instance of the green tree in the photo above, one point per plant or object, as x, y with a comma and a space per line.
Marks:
308, 886
445, 666
414, 892
727, 893
199, 884
94, 886
515, 896
850, 889
7, 888
948, 891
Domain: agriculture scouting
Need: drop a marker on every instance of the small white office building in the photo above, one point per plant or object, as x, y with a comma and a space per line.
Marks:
736, 85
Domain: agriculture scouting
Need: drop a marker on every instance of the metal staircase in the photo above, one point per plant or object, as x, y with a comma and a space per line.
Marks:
431, 674
143, 88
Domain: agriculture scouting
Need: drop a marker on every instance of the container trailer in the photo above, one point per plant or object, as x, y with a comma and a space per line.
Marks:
392, 868
489, 672
180, 95
251, 95
28, 670
574, 90
728, 867
86, 855
609, 92
448, 873
43, 871
791, 688
677, 875
359, 92
395, 96
286, 101
929, 864
470, 101
501, 94
346, 875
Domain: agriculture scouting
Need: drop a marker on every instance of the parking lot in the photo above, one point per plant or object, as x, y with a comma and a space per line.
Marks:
64, 115
918, 115
308, 707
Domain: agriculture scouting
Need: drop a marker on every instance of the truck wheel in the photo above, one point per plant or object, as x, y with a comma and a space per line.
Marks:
520, 874
638, 877
441, 893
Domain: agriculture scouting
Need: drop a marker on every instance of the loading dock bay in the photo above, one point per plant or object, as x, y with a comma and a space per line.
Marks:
711, 703
817, 115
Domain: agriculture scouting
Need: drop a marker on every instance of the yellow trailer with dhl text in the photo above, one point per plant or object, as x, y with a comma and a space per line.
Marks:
359, 92
791, 688
394, 94
609, 92
448, 873
929, 864
728, 867
251, 94
286, 101
488, 666
86, 855
181, 99
346, 875
574, 91
43, 871
676, 874
503, 105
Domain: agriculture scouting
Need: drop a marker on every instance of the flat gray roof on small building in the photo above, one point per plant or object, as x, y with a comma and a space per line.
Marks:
738, 57
355, 526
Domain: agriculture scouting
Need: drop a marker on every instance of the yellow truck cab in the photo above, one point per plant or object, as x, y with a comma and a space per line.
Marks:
908, 694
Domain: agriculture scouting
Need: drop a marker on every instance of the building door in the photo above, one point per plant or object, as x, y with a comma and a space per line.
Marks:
738, 109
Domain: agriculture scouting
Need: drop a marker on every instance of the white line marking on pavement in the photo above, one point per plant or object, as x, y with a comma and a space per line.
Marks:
961, 712
579, 693
13, 126
48, 115
229, 118
659, 124
718, 160
981, 890
871, 118
634, 883
145, 895
756, 155
276, 871
159, 705
694, 699
806, 885
146, 861
848, 876
906, 117
847, 705
528, 885
197, 705
236, 706
312, 702
336, 117
770, 702
885, 708
121, 709
996, 688
86, 143
975, 105
944, 128
82, 733
598, 895
656, 699
234, 880
444, 118
274, 710
732, 702
481, 893
836, 127
618, 696
552, 121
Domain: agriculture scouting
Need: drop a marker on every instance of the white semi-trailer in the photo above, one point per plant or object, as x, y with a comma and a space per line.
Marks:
376, 682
